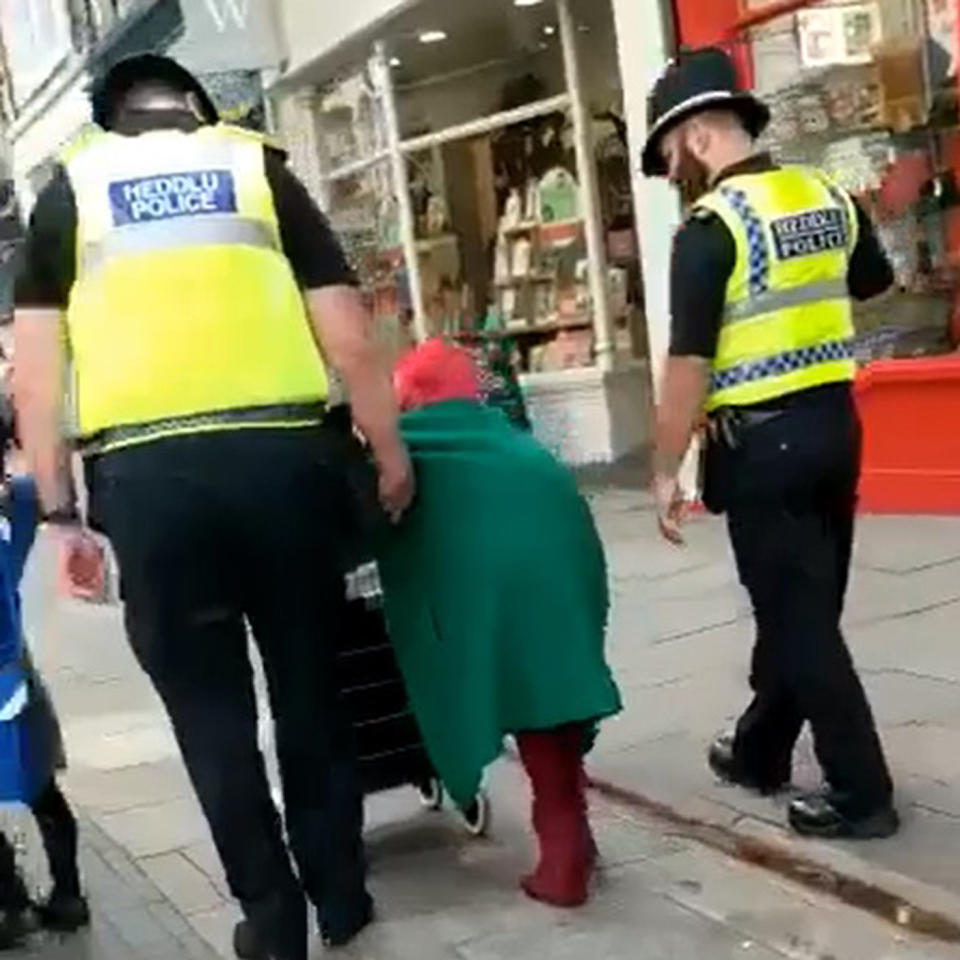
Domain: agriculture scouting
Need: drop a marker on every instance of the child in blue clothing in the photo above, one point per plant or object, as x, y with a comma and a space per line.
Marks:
65, 910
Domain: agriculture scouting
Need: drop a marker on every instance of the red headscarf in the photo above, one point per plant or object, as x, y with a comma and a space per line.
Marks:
433, 372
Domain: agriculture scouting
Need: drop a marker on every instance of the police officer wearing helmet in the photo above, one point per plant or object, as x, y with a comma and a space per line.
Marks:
763, 275
202, 294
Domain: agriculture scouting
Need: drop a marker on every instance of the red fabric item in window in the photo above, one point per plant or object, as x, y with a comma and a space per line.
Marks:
903, 182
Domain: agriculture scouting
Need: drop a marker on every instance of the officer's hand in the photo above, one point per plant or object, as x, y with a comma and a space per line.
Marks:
671, 508
82, 564
397, 486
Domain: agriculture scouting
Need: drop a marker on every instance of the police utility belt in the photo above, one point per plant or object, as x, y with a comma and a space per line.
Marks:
728, 426
280, 415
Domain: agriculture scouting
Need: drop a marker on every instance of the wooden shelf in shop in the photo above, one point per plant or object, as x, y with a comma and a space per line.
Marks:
528, 278
529, 226
526, 227
833, 134
424, 245
430, 243
556, 326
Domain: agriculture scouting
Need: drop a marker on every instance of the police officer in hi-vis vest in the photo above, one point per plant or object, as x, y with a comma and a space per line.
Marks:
198, 294
764, 270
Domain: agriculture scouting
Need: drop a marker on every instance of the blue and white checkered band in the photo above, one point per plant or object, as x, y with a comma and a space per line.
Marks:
782, 363
758, 250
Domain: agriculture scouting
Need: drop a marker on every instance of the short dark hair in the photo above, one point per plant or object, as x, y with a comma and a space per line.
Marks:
111, 89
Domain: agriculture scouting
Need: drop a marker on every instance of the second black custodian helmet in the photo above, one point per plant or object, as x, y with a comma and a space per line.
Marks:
697, 80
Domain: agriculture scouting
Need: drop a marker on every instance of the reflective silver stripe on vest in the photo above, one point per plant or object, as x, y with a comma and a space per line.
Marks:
277, 413
209, 230
773, 300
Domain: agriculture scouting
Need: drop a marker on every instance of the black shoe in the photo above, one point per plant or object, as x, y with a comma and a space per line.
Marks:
63, 913
724, 764
278, 930
14, 929
817, 815
247, 944
339, 934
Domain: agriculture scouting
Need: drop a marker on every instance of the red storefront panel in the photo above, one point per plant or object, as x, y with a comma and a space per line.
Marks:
701, 24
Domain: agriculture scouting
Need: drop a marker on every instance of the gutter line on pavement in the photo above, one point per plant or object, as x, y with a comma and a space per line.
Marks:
776, 859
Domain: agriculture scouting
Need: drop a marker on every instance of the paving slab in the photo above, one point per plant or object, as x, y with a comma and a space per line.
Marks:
685, 685
680, 641
132, 920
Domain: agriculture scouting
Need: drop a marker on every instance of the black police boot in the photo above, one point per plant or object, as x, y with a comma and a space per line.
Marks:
14, 929
724, 763
247, 944
339, 931
820, 815
17, 919
278, 930
64, 912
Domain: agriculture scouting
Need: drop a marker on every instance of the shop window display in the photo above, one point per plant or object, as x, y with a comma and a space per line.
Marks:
484, 119
500, 236
494, 57
362, 210
868, 92
360, 200
500, 215
350, 120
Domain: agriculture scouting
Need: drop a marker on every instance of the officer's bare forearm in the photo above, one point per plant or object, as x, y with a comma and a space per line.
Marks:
374, 408
344, 331
38, 384
682, 397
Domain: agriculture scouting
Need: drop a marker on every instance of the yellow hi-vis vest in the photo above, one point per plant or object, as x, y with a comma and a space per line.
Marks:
788, 322
185, 315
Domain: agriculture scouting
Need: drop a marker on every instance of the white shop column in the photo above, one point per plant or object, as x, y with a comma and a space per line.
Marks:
383, 80
644, 41
589, 192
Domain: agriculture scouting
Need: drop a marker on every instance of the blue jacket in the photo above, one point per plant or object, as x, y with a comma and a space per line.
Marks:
18, 530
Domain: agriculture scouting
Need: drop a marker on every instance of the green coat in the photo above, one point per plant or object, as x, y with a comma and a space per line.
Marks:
495, 588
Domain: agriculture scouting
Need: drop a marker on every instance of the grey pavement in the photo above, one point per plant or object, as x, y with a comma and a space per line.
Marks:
680, 641
133, 920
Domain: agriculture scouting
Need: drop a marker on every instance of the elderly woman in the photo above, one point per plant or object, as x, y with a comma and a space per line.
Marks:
496, 596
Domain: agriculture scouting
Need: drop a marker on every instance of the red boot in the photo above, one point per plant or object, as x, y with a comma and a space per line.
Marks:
554, 763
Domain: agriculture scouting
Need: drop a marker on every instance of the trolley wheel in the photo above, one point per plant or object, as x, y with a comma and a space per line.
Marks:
431, 794
476, 817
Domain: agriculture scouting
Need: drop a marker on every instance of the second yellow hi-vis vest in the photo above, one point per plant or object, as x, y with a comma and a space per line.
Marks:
788, 321
185, 315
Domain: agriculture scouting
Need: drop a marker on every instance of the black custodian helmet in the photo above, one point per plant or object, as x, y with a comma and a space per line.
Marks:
115, 83
698, 80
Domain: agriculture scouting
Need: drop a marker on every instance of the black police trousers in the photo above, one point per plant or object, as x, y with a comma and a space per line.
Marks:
789, 491
214, 533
